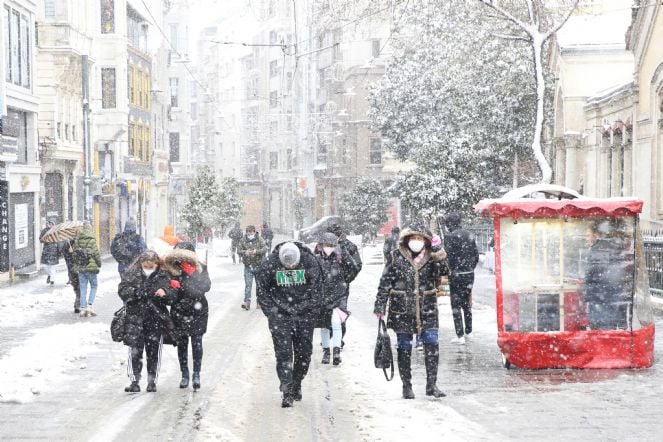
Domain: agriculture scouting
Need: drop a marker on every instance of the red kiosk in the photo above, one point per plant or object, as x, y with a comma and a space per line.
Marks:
572, 286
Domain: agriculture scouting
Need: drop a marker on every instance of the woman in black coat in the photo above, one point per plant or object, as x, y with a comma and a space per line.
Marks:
409, 288
190, 311
336, 265
146, 292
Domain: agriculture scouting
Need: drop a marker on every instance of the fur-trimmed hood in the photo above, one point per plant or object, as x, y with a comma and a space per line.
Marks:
172, 260
419, 228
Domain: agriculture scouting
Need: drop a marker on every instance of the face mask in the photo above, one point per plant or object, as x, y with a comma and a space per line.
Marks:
416, 245
148, 272
250, 236
328, 250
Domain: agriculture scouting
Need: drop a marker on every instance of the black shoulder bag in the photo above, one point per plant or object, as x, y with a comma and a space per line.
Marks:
118, 324
383, 356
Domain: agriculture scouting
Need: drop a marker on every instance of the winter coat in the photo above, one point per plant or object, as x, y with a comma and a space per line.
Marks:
390, 244
408, 290
350, 253
267, 234
335, 267
85, 240
50, 254
296, 293
146, 314
190, 311
127, 246
462, 252
257, 244
235, 234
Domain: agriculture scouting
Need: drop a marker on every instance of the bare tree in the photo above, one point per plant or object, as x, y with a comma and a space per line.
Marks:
535, 26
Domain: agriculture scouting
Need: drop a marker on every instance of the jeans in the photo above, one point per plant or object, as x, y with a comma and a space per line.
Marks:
333, 336
249, 274
196, 350
84, 278
428, 337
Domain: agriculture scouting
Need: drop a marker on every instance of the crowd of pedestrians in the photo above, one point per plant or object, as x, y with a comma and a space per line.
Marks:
299, 288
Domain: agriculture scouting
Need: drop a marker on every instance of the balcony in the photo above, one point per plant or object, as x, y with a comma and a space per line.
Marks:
136, 167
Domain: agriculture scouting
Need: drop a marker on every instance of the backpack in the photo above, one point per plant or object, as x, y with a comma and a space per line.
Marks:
80, 256
122, 248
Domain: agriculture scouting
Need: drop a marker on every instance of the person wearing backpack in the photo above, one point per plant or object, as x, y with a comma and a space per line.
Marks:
127, 246
87, 262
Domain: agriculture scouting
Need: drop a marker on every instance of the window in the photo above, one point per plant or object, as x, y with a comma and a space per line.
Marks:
375, 151
174, 85
288, 158
15, 47
49, 8
273, 128
273, 160
74, 136
59, 130
174, 147
273, 99
194, 89
107, 16
194, 111
25, 52
375, 49
66, 131
288, 81
273, 37
273, 68
132, 84
108, 88
6, 18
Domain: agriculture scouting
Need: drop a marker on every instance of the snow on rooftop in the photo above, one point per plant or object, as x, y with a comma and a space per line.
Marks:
607, 29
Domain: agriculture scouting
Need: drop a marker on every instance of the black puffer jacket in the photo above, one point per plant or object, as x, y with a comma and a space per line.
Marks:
301, 300
335, 269
408, 290
190, 311
461, 248
50, 254
147, 314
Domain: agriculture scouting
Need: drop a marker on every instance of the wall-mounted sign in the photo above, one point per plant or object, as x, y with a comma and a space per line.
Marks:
4, 226
20, 226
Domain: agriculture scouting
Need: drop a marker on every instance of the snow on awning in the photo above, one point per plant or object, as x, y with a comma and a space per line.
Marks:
544, 208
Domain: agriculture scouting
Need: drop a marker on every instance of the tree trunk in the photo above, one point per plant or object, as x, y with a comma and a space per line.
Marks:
537, 47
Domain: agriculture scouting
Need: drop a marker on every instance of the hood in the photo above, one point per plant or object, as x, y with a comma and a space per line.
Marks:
130, 226
452, 221
416, 228
172, 260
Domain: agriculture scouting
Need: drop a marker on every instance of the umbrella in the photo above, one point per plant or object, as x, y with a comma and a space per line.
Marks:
62, 232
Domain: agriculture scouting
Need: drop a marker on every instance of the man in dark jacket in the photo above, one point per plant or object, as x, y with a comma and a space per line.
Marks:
235, 236
127, 246
66, 248
290, 291
50, 255
350, 251
391, 243
463, 256
268, 236
252, 251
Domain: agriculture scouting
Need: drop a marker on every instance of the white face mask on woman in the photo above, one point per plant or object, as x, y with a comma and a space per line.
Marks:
416, 245
328, 250
148, 272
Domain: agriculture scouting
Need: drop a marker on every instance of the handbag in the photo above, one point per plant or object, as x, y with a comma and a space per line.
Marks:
118, 324
383, 357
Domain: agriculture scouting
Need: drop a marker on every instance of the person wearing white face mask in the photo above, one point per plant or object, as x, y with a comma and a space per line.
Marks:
146, 292
335, 267
408, 293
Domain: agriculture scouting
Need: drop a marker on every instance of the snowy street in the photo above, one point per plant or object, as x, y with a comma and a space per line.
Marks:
63, 379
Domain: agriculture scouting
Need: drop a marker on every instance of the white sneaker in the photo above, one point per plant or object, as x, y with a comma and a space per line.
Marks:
83, 312
461, 340
469, 337
90, 311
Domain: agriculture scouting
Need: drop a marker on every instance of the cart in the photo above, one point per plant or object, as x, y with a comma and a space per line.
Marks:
571, 282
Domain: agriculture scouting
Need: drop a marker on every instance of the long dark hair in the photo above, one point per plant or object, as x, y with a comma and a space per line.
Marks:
147, 255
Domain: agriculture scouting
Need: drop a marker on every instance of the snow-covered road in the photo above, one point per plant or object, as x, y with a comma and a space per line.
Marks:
62, 378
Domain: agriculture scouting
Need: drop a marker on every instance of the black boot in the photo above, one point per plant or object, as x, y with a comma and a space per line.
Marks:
288, 399
296, 391
196, 380
405, 372
151, 384
432, 357
134, 387
184, 383
48, 279
337, 356
325, 356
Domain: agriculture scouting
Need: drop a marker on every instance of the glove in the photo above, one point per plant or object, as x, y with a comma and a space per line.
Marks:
175, 284
188, 268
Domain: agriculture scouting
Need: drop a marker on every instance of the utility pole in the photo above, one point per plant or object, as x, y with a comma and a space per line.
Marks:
87, 151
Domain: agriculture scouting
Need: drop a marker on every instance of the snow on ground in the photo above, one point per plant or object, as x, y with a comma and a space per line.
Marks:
41, 363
